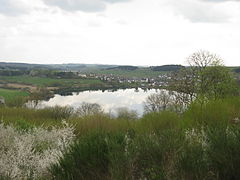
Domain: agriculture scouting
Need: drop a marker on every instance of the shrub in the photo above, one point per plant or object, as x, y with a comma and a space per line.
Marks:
60, 113
86, 159
29, 154
214, 113
96, 155
223, 152
153, 156
192, 162
157, 122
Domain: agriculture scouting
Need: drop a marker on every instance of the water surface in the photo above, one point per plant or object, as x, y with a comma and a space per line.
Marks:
110, 101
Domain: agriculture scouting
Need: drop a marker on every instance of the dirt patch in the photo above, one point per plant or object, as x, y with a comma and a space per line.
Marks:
21, 86
29, 88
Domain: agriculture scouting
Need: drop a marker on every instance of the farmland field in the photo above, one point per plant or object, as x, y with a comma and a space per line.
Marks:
44, 81
9, 94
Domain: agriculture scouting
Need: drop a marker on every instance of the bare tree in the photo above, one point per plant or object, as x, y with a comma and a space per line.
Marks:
89, 109
202, 59
158, 102
125, 113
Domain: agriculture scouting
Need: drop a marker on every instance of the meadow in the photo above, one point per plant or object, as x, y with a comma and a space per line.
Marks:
45, 81
10, 94
137, 73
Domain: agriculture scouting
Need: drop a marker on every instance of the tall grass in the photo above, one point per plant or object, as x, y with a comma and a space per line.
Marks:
156, 122
217, 112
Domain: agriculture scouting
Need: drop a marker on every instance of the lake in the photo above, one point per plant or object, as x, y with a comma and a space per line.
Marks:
110, 101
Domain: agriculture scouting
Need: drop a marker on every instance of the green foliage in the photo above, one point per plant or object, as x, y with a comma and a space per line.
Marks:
18, 101
192, 162
23, 125
223, 152
86, 159
217, 83
157, 122
153, 156
206, 78
96, 122
120, 166
202, 143
216, 112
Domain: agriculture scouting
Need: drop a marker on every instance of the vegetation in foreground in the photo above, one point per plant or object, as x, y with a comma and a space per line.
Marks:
201, 143
194, 134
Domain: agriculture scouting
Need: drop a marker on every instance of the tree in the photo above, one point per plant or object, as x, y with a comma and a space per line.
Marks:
87, 109
183, 84
41, 93
125, 113
218, 83
204, 78
203, 59
158, 102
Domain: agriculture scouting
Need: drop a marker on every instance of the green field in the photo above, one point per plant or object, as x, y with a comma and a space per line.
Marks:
44, 81
9, 94
138, 73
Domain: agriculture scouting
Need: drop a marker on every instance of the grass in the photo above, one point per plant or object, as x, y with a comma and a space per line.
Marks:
41, 117
42, 81
9, 94
138, 73
53, 117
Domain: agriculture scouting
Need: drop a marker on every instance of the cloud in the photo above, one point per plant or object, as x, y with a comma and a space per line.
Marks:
13, 7
200, 11
18, 7
218, 1
82, 5
78, 5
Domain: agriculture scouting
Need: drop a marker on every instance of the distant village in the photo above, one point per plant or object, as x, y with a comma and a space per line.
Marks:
156, 82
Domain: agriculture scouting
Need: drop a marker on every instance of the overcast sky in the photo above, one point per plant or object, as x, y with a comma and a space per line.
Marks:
130, 32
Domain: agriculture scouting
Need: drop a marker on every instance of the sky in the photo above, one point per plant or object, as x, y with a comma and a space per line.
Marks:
124, 32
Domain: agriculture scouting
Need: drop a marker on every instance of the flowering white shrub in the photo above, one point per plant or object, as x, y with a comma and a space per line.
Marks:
197, 136
29, 154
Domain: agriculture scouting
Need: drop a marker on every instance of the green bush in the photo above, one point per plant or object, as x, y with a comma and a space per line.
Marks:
158, 121
223, 152
191, 162
60, 113
214, 113
86, 159
153, 156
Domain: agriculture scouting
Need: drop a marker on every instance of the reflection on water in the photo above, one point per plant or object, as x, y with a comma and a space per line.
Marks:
110, 101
